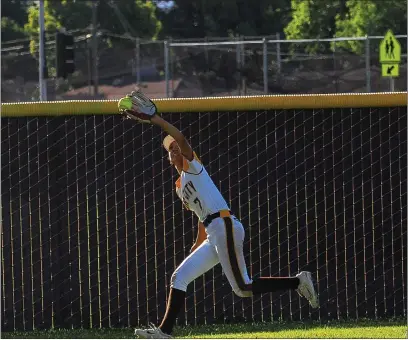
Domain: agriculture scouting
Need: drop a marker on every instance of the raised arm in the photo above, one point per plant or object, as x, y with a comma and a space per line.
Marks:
137, 106
182, 142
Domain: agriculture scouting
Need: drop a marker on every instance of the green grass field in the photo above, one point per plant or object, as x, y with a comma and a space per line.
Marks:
311, 330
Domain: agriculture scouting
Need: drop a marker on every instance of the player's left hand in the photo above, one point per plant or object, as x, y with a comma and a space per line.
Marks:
137, 106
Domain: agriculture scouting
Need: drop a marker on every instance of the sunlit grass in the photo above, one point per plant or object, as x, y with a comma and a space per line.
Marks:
361, 329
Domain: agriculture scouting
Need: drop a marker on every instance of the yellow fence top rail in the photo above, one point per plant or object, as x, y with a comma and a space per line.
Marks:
208, 104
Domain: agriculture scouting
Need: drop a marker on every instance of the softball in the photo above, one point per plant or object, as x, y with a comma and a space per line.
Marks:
125, 103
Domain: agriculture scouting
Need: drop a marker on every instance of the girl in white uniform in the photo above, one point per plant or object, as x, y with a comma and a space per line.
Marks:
220, 237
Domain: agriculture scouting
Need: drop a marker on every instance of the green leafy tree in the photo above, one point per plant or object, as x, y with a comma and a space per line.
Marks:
228, 18
371, 17
14, 16
32, 25
213, 18
314, 19
10, 30
132, 17
135, 17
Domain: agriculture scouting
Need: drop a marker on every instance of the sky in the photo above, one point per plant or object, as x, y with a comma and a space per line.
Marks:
165, 5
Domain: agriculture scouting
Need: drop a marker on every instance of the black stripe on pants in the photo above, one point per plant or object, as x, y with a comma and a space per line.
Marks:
233, 256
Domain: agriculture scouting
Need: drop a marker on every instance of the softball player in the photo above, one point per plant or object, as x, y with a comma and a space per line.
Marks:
220, 235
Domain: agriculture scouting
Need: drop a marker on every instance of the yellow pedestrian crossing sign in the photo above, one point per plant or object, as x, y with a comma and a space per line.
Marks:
390, 55
390, 49
390, 70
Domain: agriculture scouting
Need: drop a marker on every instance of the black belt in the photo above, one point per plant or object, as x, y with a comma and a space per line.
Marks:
211, 217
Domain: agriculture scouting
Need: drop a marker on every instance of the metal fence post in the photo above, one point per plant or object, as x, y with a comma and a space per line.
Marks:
239, 68
137, 60
336, 82
265, 65
171, 68
367, 64
392, 84
166, 67
278, 53
243, 81
95, 48
42, 66
206, 54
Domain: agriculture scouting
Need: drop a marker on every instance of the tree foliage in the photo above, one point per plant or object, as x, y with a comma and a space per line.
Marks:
371, 17
135, 17
15, 10
14, 16
10, 30
213, 18
314, 19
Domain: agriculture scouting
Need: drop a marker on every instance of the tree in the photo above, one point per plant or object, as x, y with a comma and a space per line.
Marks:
14, 16
132, 17
10, 30
212, 18
16, 10
135, 17
314, 19
32, 25
370, 17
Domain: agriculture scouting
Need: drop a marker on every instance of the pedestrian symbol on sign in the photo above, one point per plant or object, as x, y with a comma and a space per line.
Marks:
390, 49
390, 56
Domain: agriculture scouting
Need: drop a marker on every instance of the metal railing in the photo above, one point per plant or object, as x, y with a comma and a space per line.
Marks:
265, 41
215, 66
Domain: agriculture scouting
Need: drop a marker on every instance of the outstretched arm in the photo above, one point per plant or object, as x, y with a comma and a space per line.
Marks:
138, 107
182, 142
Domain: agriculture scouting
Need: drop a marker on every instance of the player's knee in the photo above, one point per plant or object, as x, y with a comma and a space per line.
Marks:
242, 293
178, 282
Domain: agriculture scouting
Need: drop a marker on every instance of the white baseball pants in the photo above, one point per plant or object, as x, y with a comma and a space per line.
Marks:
224, 244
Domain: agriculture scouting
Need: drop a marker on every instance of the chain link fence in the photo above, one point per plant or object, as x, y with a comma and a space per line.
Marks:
203, 67
90, 241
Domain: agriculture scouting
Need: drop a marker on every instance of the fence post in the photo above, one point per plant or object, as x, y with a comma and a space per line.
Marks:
166, 67
367, 64
392, 84
42, 66
206, 53
171, 68
95, 48
334, 67
239, 68
265, 65
138, 61
278, 53
244, 77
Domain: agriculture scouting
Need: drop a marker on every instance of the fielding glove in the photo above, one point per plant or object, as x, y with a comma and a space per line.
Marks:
137, 106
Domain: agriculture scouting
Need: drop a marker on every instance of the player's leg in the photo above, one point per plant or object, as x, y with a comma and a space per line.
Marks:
196, 264
228, 242
229, 246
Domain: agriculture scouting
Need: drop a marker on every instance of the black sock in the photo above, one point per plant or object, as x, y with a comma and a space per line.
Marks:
273, 284
176, 301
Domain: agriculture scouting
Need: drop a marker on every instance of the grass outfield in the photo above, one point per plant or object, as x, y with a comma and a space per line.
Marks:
339, 329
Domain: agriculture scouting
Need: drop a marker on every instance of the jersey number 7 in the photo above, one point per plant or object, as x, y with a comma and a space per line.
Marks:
197, 201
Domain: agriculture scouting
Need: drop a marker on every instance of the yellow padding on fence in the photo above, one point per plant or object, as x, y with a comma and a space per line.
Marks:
247, 103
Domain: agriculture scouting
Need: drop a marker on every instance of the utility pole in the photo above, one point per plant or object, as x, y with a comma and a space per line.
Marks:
95, 47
